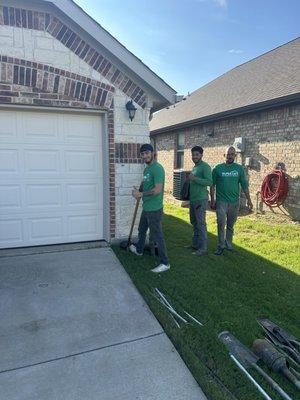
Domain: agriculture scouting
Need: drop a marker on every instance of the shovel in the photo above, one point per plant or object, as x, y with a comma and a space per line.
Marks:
274, 360
281, 337
125, 244
246, 359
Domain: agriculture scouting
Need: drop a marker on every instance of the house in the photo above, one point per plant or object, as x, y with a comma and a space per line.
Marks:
258, 101
69, 154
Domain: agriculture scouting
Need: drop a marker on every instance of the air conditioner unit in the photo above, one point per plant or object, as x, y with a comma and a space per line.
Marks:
179, 177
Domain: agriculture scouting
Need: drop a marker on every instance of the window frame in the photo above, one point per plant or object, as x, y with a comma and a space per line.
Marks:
179, 151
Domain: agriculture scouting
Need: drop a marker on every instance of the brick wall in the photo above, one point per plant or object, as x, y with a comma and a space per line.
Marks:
127, 176
34, 83
65, 38
165, 149
271, 137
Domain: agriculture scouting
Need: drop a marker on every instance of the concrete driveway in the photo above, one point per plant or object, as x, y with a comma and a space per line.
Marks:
73, 326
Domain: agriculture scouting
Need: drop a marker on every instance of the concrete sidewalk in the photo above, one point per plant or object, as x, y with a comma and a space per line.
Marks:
73, 326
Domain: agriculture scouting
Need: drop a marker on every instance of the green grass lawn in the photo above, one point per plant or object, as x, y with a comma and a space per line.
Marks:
225, 292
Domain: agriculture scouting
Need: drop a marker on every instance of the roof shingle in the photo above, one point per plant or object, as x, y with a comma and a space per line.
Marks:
270, 76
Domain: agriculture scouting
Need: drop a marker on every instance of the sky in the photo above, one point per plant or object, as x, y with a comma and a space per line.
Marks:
188, 43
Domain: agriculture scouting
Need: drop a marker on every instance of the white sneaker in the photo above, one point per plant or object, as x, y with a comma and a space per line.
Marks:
161, 268
133, 250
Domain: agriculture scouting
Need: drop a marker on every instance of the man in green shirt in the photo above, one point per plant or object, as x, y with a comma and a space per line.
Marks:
199, 178
152, 193
227, 178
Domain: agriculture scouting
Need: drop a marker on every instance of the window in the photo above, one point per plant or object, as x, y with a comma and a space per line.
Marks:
179, 153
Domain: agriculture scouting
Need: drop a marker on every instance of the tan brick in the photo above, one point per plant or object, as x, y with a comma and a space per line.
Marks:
271, 136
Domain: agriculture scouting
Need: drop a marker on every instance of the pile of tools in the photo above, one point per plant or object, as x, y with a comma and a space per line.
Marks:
279, 351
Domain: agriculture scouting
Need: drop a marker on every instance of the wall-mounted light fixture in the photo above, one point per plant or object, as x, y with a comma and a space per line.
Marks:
249, 162
131, 109
239, 144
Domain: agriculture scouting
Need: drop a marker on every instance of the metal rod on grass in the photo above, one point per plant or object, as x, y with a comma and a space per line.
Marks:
271, 382
171, 309
192, 318
174, 320
168, 304
261, 390
163, 297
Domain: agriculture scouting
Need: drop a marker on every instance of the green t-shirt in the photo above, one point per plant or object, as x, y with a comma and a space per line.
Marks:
198, 187
153, 174
227, 178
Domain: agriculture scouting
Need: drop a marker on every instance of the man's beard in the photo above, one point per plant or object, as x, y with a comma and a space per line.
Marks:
149, 162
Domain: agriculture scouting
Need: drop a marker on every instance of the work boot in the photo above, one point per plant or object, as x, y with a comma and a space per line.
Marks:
190, 247
200, 253
219, 251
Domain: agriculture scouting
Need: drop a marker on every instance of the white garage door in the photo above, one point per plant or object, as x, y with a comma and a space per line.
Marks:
51, 178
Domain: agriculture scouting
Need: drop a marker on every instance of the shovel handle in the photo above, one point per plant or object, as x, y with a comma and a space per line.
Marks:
133, 220
272, 383
265, 394
295, 372
287, 373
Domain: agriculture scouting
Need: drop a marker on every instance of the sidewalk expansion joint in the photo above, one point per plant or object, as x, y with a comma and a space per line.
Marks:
82, 352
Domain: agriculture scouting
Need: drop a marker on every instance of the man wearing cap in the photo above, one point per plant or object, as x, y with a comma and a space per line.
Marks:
227, 178
151, 192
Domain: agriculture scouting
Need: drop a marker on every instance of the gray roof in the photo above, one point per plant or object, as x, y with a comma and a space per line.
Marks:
273, 75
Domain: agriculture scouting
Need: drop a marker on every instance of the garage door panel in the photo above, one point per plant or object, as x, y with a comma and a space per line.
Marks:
81, 161
45, 228
9, 161
44, 196
11, 232
50, 228
8, 126
86, 225
81, 194
81, 130
34, 131
10, 196
51, 188
40, 161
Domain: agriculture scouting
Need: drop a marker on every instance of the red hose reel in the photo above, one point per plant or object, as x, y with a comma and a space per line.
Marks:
274, 188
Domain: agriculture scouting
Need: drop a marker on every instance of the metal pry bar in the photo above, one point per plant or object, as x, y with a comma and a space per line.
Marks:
166, 304
174, 320
193, 318
163, 297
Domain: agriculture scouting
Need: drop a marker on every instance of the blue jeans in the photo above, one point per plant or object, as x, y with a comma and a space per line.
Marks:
198, 220
152, 220
226, 216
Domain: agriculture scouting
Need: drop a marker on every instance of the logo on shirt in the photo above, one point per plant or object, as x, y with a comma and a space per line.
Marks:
147, 177
230, 174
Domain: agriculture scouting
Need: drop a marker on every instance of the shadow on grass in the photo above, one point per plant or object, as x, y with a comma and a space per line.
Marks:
225, 292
